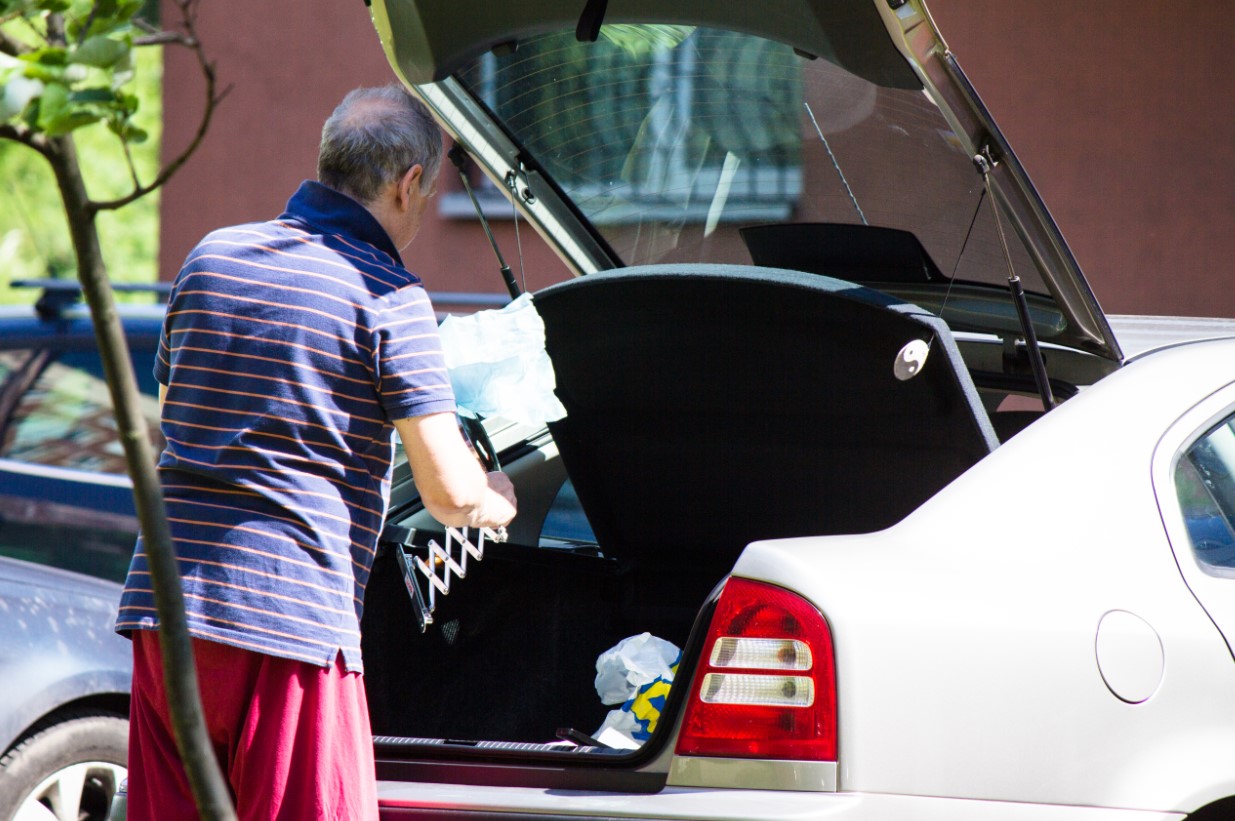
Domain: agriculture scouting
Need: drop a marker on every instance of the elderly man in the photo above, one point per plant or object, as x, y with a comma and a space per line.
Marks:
291, 350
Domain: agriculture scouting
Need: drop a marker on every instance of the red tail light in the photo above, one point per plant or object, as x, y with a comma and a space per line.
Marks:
766, 685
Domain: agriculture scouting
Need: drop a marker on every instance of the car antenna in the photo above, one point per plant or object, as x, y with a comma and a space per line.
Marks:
459, 157
984, 163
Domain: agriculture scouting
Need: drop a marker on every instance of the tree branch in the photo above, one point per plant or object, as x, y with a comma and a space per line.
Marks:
162, 38
128, 160
183, 690
55, 30
25, 136
11, 45
188, 12
85, 30
158, 37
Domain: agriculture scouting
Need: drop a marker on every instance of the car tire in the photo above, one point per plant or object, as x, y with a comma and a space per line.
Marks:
68, 768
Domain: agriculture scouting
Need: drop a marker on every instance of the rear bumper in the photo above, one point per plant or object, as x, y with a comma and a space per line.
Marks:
402, 801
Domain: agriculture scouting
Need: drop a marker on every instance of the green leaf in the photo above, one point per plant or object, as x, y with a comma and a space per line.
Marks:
47, 56
32, 9
99, 51
127, 10
57, 116
70, 121
47, 74
128, 132
53, 101
642, 40
83, 13
93, 95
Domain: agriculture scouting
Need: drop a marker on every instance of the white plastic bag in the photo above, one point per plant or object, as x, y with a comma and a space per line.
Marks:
498, 365
637, 673
618, 731
624, 668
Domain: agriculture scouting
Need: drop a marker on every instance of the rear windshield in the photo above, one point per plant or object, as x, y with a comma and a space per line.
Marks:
670, 139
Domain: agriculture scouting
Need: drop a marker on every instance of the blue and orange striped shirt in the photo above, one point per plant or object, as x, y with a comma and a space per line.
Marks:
289, 347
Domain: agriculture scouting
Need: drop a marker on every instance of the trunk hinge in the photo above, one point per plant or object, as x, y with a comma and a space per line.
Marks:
984, 162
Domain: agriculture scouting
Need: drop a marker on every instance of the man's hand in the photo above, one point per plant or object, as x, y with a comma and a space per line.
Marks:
453, 486
503, 499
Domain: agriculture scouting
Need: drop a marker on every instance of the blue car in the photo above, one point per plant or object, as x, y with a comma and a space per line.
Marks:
67, 525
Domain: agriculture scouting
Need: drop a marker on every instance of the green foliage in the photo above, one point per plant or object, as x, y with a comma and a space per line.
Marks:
76, 58
34, 235
642, 40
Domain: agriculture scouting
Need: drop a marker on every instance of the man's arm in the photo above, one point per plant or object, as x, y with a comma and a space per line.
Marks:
453, 486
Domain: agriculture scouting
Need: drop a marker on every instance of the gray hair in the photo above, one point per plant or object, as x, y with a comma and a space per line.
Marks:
373, 137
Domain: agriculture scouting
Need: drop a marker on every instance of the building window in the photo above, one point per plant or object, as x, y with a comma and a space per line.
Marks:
648, 125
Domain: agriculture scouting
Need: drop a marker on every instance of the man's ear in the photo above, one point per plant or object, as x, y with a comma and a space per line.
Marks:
409, 183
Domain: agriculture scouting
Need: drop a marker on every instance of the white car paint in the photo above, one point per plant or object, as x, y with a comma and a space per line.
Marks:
1130, 656
737, 805
965, 635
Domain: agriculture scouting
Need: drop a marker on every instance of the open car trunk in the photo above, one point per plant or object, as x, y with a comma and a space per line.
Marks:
707, 407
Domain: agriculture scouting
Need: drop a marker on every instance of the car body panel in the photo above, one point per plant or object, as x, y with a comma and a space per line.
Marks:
423, 800
67, 528
427, 41
1142, 334
60, 645
1046, 583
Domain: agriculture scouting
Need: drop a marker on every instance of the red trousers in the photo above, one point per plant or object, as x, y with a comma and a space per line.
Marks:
292, 739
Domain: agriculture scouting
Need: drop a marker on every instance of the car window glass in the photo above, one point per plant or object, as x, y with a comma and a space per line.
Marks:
1205, 484
65, 419
566, 523
11, 360
670, 139
65, 498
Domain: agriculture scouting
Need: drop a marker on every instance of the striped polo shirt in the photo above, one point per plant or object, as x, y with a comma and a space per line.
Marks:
289, 347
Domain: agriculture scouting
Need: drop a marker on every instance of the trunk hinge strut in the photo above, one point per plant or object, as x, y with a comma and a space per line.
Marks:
459, 157
984, 162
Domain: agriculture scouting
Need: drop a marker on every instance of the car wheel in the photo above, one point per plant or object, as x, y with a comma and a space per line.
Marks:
65, 771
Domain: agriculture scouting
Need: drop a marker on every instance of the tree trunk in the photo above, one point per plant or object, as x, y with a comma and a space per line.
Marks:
179, 669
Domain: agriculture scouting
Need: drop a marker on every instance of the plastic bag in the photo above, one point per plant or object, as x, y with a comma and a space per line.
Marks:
636, 673
498, 365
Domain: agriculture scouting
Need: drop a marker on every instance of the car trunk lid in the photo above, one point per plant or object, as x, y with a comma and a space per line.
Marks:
889, 60
726, 404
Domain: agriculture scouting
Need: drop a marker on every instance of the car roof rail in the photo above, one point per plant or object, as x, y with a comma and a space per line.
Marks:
59, 294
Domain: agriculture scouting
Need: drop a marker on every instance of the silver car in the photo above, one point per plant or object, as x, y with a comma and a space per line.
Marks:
67, 528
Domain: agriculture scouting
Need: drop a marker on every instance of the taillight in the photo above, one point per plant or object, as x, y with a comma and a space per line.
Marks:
766, 685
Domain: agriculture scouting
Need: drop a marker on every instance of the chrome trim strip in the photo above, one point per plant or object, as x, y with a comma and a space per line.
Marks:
753, 774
